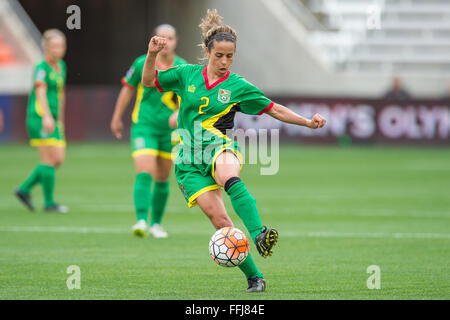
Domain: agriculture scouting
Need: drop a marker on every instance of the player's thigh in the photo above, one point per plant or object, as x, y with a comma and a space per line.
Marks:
212, 205
60, 155
145, 163
162, 169
50, 155
227, 165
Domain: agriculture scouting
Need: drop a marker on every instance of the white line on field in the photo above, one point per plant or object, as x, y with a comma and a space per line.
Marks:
282, 234
363, 212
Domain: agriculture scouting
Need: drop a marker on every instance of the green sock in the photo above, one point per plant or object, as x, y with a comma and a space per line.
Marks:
31, 181
248, 267
159, 201
245, 206
142, 195
47, 179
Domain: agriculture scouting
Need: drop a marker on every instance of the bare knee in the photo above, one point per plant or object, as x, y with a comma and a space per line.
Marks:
58, 161
163, 168
227, 166
144, 163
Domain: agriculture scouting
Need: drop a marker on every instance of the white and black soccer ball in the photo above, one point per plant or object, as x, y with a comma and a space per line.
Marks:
228, 247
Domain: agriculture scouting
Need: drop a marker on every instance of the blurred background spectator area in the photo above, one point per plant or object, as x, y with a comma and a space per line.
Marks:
334, 53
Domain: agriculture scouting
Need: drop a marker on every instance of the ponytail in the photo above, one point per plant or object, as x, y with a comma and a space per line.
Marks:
213, 28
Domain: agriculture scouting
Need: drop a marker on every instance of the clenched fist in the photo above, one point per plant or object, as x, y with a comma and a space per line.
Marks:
317, 121
156, 44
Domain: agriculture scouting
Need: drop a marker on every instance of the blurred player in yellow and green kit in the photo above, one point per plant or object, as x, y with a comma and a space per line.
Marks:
45, 118
153, 122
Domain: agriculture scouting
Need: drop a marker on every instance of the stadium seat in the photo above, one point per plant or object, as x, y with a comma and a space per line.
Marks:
400, 36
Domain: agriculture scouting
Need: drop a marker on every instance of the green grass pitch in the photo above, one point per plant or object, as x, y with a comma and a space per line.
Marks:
338, 211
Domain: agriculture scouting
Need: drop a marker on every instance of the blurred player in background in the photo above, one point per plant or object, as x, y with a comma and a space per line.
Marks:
45, 121
153, 121
210, 95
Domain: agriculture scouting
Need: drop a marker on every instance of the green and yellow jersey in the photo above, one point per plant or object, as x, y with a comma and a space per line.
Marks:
206, 114
54, 80
152, 109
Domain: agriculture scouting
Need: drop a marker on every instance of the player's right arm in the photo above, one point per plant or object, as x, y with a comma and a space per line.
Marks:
155, 45
125, 95
130, 81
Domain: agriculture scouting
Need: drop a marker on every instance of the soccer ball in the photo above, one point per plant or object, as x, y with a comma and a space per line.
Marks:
228, 247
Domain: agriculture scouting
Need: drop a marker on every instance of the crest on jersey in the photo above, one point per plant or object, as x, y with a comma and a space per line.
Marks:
191, 88
224, 96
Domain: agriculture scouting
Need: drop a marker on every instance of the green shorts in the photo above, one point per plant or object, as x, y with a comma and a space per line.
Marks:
39, 137
144, 142
196, 179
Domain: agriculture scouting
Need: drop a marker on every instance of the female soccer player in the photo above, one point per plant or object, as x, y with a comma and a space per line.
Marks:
153, 120
45, 118
208, 159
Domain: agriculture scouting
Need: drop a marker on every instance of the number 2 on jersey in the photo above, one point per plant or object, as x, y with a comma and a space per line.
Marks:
203, 105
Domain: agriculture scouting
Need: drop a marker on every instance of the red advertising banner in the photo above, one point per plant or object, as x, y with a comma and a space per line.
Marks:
356, 120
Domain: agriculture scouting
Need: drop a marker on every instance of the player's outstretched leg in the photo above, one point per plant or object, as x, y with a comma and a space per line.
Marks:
245, 206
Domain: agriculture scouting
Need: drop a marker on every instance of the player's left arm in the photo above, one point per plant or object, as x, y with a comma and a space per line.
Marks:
287, 115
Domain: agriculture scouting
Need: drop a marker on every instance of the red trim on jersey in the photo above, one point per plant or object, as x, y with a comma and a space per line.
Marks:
163, 67
126, 84
157, 83
267, 108
39, 83
205, 76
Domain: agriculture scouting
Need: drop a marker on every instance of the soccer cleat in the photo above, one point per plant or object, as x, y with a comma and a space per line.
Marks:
256, 284
139, 229
25, 199
266, 240
157, 231
56, 208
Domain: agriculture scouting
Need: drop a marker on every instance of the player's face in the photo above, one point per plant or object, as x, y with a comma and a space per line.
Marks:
171, 40
56, 48
221, 56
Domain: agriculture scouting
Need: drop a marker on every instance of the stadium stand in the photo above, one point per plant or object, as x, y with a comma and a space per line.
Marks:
407, 37
343, 47
19, 48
